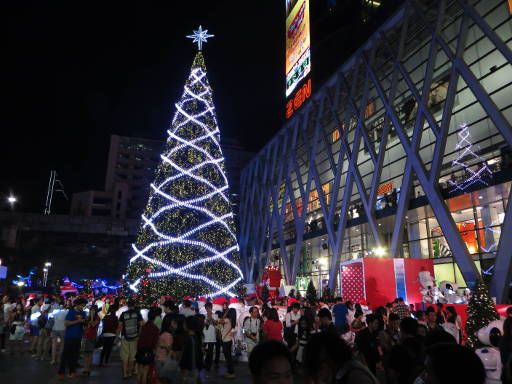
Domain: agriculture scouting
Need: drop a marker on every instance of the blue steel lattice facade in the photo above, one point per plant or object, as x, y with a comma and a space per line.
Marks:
367, 167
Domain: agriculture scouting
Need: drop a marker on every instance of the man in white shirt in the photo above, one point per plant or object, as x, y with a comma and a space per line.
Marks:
186, 309
251, 328
209, 334
291, 330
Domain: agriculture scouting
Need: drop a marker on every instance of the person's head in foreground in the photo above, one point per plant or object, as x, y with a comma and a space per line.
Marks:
271, 363
449, 363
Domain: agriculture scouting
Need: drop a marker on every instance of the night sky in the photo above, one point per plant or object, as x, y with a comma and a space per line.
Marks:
73, 76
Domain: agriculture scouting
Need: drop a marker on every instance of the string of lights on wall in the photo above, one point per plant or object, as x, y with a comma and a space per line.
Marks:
473, 176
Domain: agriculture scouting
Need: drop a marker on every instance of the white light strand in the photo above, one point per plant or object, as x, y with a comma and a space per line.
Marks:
474, 176
181, 118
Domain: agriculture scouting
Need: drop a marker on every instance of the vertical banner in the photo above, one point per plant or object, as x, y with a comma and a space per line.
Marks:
298, 55
352, 282
401, 289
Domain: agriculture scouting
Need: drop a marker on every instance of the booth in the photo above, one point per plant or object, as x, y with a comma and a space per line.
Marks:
378, 281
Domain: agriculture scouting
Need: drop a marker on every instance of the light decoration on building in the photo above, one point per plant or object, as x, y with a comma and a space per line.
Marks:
495, 229
187, 245
473, 176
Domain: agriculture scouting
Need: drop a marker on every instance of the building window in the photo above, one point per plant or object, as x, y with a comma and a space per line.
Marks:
370, 109
335, 135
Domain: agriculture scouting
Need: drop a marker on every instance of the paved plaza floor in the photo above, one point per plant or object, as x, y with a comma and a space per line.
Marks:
26, 370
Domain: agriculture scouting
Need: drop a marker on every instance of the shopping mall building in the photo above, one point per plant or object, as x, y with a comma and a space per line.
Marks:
404, 152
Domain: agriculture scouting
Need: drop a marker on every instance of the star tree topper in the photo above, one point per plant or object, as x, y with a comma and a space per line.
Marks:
200, 36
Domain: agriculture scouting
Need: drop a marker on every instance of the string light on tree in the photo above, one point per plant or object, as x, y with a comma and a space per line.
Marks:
187, 245
473, 176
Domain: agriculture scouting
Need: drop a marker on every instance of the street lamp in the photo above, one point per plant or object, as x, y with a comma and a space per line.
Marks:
46, 268
12, 200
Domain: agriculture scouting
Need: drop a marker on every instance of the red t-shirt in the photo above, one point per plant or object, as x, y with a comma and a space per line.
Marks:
273, 330
148, 337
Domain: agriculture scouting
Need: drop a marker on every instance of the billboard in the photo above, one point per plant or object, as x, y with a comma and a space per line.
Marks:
298, 55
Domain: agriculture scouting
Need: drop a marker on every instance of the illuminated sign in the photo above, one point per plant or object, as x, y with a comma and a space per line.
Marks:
302, 94
298, 55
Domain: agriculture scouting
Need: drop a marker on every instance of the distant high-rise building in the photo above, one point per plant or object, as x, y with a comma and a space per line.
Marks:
130, 170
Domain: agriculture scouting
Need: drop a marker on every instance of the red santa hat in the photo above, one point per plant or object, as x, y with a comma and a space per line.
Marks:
234, 300
219, 300
202, 299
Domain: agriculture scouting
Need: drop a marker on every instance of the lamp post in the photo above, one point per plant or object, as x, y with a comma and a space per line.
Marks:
46, 268
11, 200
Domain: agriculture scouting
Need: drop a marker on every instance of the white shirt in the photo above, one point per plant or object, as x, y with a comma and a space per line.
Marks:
251, 325
7, 310
227, 331
290, 316
59, 318
187, 311
209, 332
34, 309
120, 311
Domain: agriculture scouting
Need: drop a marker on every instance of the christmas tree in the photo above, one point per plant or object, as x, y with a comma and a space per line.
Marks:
186, 245
479, 173
311, 292
481, 311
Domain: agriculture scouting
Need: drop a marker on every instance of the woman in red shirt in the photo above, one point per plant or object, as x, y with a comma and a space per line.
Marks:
146, 346
273, 328
90, 335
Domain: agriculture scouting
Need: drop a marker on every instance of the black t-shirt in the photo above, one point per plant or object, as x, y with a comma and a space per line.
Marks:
130, 320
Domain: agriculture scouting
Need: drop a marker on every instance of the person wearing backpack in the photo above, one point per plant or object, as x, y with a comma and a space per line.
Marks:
130, 322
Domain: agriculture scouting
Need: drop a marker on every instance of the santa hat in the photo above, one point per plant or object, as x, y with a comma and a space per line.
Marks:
202, 299
219, 300
234, 300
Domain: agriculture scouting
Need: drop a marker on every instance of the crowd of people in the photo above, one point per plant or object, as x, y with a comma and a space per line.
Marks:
299, 341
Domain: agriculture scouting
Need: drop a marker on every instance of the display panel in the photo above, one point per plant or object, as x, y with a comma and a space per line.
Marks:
298, 55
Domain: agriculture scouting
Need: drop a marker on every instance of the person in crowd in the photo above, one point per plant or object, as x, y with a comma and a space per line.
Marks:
177, 327
358, 322
44, 335
440, 313
451, 312
17, 329
292, 326
306, 329
431, 319
401, 309
122, 306
105, 308
368, 344
90, 336
209, 335
448, 363
271, 362
35, 310
74, 323
165, 364
506, 349
450, 327
3, 326
158, 317
228, 330
390, 335
273, 328
350, 312
329, 359
340, 312
186, 309
191, 361
110, 324
58, 331
400, 365
146, 346
251, 328
169, 312
130, 322
326, 324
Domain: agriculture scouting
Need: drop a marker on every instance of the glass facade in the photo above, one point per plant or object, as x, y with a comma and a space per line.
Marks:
408, 117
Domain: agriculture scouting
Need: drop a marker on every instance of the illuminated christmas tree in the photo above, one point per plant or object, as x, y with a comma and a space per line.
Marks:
477, 174
481, 311
186, 245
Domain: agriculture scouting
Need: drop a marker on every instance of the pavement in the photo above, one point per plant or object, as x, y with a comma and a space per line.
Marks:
21, 369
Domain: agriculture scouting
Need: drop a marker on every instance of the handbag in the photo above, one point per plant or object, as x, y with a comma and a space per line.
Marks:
145, 356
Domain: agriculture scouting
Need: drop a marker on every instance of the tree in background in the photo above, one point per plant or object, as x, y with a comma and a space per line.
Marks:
187, 237
481, 311
311, 292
